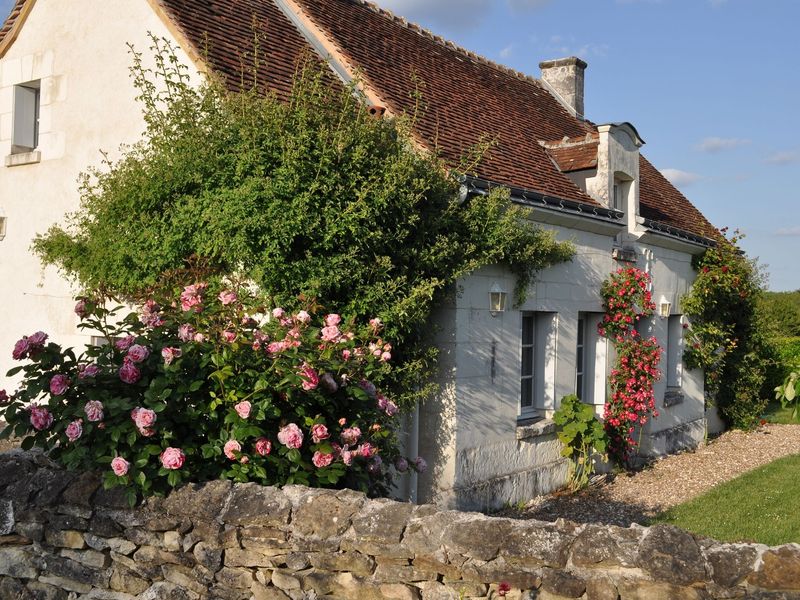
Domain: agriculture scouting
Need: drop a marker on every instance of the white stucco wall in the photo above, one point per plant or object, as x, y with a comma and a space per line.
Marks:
486, 463
78, 49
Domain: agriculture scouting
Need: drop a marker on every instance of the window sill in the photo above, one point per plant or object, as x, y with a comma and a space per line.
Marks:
23, 158
534, 427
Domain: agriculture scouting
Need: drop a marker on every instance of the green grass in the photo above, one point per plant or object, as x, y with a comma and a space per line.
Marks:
775, 413
759, 506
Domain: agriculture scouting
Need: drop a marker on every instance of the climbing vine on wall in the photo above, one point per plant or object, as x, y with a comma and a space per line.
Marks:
626, 299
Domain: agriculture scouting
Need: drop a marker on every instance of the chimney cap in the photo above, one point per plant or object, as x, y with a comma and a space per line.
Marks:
563, 62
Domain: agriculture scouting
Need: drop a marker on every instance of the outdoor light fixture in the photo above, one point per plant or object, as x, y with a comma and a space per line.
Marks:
2, 226
497, 299
664, 307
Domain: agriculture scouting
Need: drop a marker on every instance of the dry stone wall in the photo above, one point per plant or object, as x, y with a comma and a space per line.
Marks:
62, 536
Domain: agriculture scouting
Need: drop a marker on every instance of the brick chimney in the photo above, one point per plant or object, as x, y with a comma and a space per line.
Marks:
563, 77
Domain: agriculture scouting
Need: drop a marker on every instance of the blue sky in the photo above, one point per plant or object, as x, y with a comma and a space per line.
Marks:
713, 87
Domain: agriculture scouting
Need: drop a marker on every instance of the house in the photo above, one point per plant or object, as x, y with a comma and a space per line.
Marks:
65, 96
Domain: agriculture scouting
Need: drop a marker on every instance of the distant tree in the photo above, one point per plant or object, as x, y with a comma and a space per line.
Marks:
782, 313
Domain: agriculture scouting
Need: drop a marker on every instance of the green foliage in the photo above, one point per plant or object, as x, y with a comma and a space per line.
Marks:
583, 436
789, 394
759, 506
208, 387
782, 313
311, 197
727, 337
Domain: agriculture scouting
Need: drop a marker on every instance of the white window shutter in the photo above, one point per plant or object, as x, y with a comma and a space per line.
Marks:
25, 117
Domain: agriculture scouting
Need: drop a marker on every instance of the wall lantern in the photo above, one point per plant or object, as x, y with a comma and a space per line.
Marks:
497, 299
664, 307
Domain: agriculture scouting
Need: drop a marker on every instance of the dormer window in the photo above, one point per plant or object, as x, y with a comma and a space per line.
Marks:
25, 132
620, 192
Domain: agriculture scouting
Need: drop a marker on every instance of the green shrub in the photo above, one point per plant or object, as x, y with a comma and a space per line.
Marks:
583, 437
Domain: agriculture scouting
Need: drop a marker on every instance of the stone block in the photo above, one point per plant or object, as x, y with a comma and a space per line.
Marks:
779, 569
403, 573
324, 514
6, 517
143, 537
382, 522
164, 590
354, 562
601, 588
96, 594
731, 564
235, 557
425, 535
48, 485
433, 563
70, 569
185, 578
64, 583
265, 592
534, 543
202, 502
434, 590
208, 556
32, 531
45, 591
67, 522
236, 578
399, 591
285, 580
90, 558
477, 537
601, 547
119, 545
500, 570
254, 505
80, 491
467, 589
650, 590
124, 579
563, 583
19, 562
671, 554
112, 498
104, 526
172, 541
297, 561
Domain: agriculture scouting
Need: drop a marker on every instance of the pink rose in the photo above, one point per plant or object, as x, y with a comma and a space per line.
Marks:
3, 397
21, 349
375, 324
229, 336
346, 354
291, 436
366, 450
227, 297
330, 333
192, 297
138, 353
150, 317
123, 344
128, 372
74, 430
41, 418
93, 410
309, 377
172, 458
230, 448
347, 456
120, 466
144, 418
81, 308
350, 435
87, 371
321, 460
276, 347
278, 312
199, 338
37, 339
303, 316
319, 432
59, 384
186, 332
332, 320
263, 446
419, 464
386, 356
169, 354
342, 421
243, 409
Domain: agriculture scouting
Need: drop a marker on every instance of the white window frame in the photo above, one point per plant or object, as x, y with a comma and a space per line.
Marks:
580, 358
527, 371
539, 332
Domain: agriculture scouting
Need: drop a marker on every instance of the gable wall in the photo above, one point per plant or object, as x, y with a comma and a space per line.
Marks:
78, 50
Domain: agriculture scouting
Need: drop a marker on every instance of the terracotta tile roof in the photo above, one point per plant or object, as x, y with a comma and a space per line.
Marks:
466, 98
660, 201
574, 154
227, 34
11, 19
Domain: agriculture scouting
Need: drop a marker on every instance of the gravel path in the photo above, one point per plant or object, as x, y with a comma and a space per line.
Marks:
634, 498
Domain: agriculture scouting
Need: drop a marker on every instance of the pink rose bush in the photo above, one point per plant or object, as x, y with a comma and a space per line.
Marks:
211, 382
627, 299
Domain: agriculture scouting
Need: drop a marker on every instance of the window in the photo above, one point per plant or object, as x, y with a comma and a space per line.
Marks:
528, 366
25, 133
674, 351
580, 359
537, 363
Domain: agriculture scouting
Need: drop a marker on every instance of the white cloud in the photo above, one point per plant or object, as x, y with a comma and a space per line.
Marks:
783, 158
454, 14
507, 51
789, 231
718, 144
680, 178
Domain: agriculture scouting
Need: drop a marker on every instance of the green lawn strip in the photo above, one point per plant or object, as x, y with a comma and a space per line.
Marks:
759, 506
775, 413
